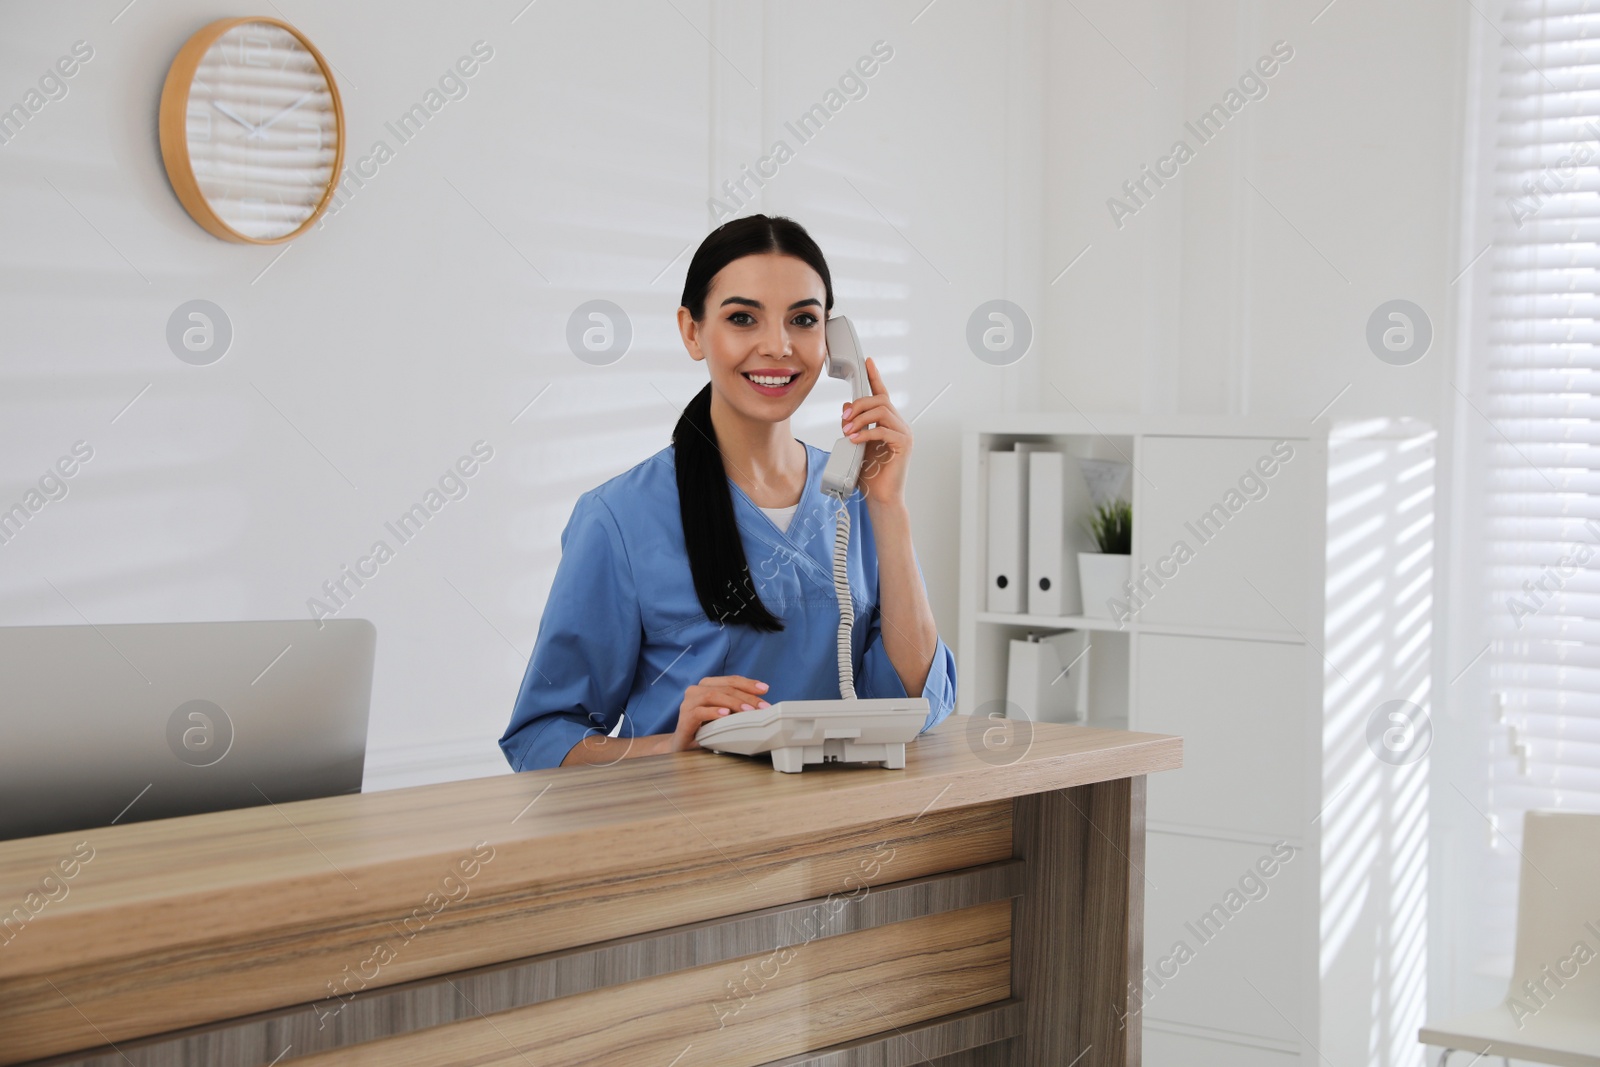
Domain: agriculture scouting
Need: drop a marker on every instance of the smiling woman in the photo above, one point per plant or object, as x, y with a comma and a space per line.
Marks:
655, 613
731, 415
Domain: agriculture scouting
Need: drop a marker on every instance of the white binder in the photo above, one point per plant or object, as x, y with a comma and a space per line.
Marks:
1008, 501
1052, 585
1047, 678
1058, 503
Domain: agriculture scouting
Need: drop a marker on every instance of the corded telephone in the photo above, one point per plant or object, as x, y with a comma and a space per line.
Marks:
849, 729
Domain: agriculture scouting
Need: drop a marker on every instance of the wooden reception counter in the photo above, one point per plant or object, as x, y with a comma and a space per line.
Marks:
981, 906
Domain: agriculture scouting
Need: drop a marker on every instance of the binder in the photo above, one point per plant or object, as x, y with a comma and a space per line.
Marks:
1047, 678
1008, 502
1059, 502
1052, 579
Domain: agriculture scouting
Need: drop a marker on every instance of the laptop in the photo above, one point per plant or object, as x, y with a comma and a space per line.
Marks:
103, 725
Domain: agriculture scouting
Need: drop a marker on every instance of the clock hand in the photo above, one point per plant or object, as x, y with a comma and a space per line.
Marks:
257, 131
228, 111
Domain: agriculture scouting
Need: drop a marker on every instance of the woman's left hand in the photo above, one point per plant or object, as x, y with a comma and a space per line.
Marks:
888, 451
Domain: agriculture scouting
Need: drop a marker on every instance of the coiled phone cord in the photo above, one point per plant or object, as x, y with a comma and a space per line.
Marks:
847, 611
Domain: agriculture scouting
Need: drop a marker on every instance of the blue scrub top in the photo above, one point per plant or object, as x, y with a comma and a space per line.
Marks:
624, 632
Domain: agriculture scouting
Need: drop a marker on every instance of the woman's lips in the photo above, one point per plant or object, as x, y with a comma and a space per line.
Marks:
770, 390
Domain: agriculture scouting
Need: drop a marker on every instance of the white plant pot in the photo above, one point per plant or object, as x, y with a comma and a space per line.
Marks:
1101, 576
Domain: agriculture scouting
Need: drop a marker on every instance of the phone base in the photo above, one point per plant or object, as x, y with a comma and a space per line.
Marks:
794, 759
803, 732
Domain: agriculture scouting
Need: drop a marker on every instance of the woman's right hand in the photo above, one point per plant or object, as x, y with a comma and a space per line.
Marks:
712, 699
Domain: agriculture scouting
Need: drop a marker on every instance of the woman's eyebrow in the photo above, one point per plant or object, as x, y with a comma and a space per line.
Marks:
758, 305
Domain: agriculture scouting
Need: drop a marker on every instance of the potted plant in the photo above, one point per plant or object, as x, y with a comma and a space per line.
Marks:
1102, 574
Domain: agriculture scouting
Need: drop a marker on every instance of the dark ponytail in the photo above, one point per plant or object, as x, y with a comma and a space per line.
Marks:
705, 503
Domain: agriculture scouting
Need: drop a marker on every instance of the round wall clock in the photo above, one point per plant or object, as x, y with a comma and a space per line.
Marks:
252, 130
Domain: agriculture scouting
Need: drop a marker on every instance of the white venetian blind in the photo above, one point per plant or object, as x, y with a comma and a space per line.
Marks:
1541, 388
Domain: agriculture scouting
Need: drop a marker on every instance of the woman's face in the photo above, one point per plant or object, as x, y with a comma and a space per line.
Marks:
762, 335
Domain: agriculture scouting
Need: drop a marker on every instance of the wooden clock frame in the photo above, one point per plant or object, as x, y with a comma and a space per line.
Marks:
173, 124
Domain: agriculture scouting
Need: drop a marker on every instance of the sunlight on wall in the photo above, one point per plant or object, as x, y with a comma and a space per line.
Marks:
1375, 791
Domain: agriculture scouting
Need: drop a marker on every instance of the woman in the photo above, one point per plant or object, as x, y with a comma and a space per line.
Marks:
700, 582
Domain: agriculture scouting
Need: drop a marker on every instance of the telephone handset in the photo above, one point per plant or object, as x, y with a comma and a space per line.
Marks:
845, 361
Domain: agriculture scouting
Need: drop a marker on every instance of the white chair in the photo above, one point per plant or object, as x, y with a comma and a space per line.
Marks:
1551, 1013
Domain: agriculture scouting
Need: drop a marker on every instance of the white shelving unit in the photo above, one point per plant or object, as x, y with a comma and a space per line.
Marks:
1227, 653
984, 635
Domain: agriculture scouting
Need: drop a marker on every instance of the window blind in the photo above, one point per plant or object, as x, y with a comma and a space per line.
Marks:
1541, 448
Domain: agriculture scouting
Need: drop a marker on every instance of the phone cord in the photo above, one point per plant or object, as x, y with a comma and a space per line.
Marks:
847, 611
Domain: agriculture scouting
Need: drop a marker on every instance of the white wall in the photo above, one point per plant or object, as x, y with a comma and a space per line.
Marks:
1209, 299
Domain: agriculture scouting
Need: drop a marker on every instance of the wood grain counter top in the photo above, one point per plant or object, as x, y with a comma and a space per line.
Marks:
171, 881
142, 929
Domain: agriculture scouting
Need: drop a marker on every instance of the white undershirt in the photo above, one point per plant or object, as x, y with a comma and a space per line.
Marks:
780, 516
